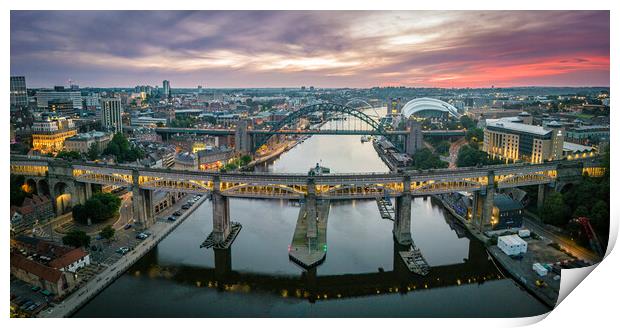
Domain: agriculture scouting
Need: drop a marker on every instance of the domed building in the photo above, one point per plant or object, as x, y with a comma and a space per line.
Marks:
429, 108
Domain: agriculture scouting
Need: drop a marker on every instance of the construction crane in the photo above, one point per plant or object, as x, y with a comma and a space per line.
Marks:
595, 244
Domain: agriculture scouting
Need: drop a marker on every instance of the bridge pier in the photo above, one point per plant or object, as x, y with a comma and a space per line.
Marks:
542, 195
311, 215
83, 192
141, 203
221, 213
487, 206
402, 219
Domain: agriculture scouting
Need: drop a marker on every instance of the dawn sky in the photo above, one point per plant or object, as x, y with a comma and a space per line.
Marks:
324, 49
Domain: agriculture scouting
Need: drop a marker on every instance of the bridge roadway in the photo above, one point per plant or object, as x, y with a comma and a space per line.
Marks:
76, 179
294, 185
215, 132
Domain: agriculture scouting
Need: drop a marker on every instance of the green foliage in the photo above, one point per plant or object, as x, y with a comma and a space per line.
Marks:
443, 148
92, 153
122, 150
100, 207
183, 122
474, 135
76, 238
245, 160
17, 193
554, 211
425, 159
69, 155
467, 122
107, 232
469, 156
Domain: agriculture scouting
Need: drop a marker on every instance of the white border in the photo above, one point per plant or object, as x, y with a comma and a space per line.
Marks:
593, 302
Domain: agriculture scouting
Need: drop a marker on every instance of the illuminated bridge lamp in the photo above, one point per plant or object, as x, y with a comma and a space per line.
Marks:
324, 247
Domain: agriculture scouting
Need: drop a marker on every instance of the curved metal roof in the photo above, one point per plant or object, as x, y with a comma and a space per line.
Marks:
420, 104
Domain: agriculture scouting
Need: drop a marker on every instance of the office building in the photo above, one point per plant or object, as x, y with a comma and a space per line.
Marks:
59, 93
19, 96
111, 118
166, 87
514, 141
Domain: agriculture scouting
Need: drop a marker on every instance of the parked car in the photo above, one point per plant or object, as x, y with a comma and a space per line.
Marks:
46, 292
141, 236
172, 218
123, 250
185, 207
35, 288
128, 226
177, 213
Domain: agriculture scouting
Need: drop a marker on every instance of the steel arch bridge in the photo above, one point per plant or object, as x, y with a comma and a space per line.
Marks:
336, 109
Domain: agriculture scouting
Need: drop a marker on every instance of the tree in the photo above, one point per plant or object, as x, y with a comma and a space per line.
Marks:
469, 156
474, 135
467, 122
93, 152
554, 210
76, 238
124, 152
107, 232
443, 148
425, 159
100, 207
18, 194
245, 160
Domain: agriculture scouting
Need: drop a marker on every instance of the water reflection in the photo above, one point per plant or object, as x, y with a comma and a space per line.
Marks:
313, 287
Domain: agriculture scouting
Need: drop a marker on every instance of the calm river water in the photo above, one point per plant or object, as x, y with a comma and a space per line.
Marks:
361, 275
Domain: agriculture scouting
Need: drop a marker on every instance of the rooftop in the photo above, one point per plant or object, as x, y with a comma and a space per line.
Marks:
576, 148
505, 203
520, 127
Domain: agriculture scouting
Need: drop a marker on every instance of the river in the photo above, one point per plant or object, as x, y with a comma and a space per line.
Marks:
361, 275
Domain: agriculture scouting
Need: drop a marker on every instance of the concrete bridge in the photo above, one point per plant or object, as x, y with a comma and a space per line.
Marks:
71, 183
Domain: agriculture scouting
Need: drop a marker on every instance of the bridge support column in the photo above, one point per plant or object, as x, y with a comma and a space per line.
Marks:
83, 192
487, 206
141, 203
221, 213
475, 208
542, 195
402, 220
311, 215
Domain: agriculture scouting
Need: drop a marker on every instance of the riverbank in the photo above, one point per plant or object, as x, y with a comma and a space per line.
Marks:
470, 227
98, 283
547, 290
384, 157
288, 146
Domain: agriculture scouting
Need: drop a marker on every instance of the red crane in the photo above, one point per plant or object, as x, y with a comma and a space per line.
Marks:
595, 244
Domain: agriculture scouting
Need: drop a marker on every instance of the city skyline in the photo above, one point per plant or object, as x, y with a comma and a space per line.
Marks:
223, 49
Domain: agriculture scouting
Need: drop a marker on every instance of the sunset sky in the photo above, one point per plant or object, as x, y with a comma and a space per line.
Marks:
325, 49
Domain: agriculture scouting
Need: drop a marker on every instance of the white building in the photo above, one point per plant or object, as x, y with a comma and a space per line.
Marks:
512, 244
